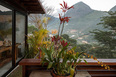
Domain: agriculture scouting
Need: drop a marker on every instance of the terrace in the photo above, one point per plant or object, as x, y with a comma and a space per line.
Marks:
14, 20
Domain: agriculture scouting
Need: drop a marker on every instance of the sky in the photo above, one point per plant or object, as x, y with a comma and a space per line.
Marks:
102, 5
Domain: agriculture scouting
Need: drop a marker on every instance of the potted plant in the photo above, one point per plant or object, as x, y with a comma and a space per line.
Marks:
61, 57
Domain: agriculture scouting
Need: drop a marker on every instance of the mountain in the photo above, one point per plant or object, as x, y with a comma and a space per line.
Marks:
83, 20
53, 20
80, 9
113, 9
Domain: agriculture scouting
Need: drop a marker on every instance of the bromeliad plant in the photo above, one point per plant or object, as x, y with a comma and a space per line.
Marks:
61, 57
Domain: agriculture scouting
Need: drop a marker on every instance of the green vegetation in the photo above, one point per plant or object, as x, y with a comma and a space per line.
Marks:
107, 38
72, 41
31, 29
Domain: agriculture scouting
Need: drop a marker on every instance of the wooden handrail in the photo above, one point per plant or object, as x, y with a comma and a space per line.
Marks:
38, 62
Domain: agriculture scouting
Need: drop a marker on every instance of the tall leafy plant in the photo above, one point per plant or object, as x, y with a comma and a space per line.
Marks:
34, 41
37, 38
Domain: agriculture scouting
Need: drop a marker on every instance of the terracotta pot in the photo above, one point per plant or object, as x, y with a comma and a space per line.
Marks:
54, 75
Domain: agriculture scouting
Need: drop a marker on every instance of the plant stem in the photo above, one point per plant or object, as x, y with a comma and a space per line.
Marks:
63, 25
62, 28
59, 30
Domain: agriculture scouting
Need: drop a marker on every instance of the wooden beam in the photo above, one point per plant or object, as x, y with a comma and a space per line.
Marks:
28, 1
16, 4
31, 4
36, 12
34, 9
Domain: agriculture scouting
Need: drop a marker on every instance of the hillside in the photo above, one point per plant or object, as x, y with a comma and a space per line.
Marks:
83, 20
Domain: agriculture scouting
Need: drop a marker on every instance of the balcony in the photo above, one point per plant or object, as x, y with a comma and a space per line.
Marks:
16, 58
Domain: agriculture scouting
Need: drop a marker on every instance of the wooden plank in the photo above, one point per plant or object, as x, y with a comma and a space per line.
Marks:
30, 62
103, 75
5, 49
38, 61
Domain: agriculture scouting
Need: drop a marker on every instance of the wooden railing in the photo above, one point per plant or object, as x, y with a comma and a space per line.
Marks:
94, 69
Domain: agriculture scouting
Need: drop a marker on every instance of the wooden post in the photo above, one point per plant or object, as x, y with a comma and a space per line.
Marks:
24, 71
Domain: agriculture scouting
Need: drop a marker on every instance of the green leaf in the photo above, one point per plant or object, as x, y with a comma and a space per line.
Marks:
63, 50
74, 48
80, 54
85, 61
72, 70
43, 63
79, 61
77, 55
50, 65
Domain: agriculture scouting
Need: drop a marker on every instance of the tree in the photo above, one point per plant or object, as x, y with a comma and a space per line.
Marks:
107, 37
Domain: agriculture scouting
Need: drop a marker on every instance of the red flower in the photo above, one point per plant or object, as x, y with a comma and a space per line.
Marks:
64, 19
65, 7
64, 43
71, 7
55, 39
61, 19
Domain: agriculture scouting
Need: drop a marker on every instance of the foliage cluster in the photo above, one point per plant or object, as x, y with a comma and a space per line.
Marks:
107, 38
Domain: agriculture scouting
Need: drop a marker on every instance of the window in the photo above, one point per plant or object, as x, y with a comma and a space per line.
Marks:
11, 21
20, 35
5, 39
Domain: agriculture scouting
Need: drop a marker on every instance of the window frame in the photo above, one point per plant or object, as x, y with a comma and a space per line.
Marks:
14, 10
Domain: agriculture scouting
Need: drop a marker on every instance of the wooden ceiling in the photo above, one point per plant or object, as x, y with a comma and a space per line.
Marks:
30, 6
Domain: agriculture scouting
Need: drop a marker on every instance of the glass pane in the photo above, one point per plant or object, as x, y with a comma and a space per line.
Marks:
5, 39
20, 35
